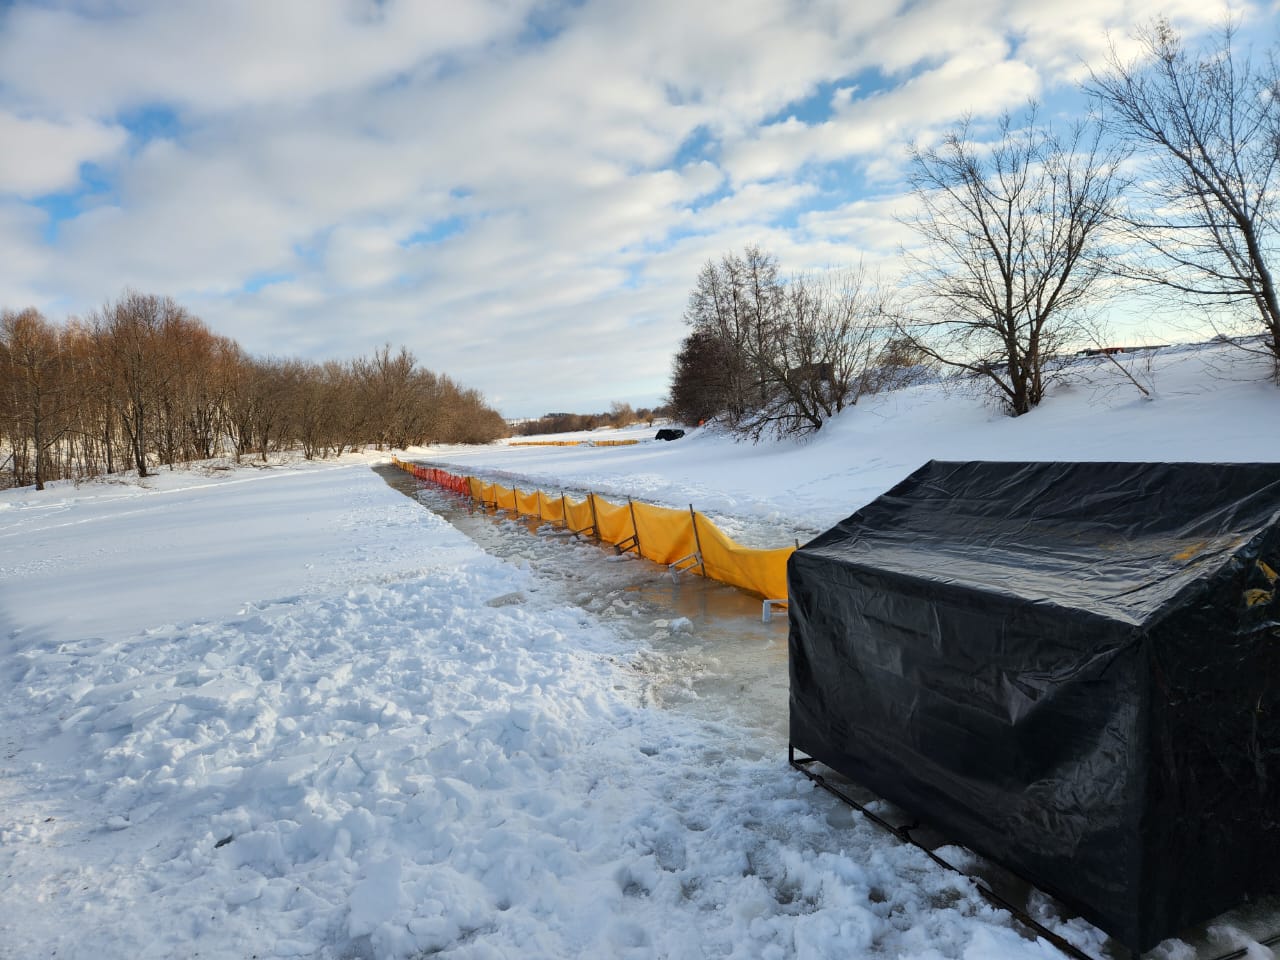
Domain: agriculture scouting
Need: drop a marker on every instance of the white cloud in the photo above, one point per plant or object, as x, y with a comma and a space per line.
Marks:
23, 257
233, 54
871, 131
183, 222
362, 257
1065, 37
873, 226
42, 155
751, 203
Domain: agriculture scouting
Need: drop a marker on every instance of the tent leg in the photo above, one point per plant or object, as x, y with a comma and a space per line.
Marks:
766, 609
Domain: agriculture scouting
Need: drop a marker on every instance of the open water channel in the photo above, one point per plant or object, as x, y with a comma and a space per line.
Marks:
701, 644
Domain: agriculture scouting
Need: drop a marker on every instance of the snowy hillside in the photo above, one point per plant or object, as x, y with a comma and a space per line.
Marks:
1209, 404
287, 711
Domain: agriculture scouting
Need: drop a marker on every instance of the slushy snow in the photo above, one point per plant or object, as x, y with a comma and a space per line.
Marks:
289, 712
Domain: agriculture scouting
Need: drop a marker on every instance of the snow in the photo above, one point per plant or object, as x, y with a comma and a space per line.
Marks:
287, 712
1210, 405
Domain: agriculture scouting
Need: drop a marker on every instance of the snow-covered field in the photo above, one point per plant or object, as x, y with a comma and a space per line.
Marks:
286, 711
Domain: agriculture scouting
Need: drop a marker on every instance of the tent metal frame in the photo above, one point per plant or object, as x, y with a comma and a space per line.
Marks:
903, 833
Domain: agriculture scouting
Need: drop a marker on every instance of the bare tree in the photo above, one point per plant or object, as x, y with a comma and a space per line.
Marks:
35, 409
621, 414
768, 355
386, 385
818, 353
1011, 234
256, 407
1209, 122
96, 431
135, 350
142, 382
471, 420
734, 305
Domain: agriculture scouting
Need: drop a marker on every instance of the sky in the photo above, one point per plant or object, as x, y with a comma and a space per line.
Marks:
520, 192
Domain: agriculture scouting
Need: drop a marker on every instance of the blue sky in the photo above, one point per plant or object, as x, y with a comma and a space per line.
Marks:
521, 192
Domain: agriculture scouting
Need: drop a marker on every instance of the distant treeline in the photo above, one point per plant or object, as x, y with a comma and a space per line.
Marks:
619, 415
142, 383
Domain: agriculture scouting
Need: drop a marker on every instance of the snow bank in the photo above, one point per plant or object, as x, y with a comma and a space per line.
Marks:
1209, 404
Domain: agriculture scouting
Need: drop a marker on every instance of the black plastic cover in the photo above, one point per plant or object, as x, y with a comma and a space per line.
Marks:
1070, 668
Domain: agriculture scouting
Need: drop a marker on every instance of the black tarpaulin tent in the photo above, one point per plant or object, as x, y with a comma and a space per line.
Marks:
1071, 668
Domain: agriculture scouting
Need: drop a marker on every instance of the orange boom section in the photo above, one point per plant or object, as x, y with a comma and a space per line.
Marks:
527, 504
578, 516
613, 522
440, 478
760, 571
666, 535
547, 443
551, 508
661, 534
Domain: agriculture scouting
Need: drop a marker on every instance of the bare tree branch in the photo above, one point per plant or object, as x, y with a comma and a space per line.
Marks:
1011, 256
772, 356
1207, 218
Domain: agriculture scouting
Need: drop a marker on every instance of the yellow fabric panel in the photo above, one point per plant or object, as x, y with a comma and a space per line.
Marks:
761, 571
550, 508
614, 521
666, 535
579, 514
506, 499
